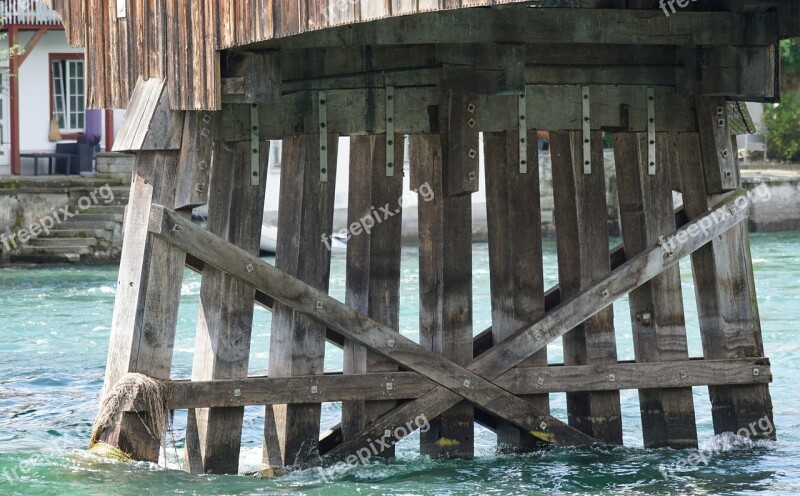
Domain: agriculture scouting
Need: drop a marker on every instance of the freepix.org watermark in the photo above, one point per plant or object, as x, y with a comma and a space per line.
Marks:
760, 428
374, 448
668, 6
757, 194
376, 216
56, 218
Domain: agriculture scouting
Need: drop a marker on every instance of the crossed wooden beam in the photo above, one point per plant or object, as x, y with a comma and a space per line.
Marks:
476, 382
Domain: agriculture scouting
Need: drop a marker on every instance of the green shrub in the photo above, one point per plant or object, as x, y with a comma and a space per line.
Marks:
783, 128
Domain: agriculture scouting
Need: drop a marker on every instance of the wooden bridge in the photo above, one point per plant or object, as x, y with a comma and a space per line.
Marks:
208, 83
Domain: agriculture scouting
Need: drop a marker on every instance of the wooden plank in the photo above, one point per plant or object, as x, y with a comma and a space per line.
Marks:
583, 258
726, 298
224, 327
555, 324
445, 284
515, 255
719, 158
461, 115
657, 317
297, 343
373, 264
744, 73
260, 76
148, 291
578, 26
315, 304
199, 131
549, 107
334, 387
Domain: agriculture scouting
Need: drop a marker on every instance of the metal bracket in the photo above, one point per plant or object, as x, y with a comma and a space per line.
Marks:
651, 131
322, 100
523, 133
255, 144
587, 130
390, 144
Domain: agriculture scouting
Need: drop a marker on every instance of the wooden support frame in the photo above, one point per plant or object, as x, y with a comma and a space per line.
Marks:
373, 262
150, 277
224, 326
297, 344
445, 269
725, 292
657, 317
515, 254
521, 345
583, 258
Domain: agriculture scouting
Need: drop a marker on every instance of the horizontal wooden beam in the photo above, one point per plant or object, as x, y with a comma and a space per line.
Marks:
549, 108
522, 24
411, 385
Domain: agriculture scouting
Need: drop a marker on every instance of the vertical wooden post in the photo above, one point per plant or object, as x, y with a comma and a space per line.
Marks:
373, 264
445, 273
224, 327
150, 278
726, 299
583, 258
515, 255
297, 343
659, 327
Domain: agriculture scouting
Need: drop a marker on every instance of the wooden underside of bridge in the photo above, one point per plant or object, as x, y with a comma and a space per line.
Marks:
668, 101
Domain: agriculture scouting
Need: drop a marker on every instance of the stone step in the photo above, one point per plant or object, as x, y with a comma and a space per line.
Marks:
46, 258
80, 225
105, 210
55, 250
59, 242
78, 233
99, 218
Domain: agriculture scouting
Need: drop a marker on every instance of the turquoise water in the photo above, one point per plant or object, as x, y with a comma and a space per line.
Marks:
54, 330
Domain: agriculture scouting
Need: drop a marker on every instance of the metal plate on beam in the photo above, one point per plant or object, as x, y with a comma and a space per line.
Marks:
390, 144
587, 129
651, 131
322, 100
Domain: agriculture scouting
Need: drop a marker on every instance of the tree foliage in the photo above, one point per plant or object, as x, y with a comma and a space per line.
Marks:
782, 121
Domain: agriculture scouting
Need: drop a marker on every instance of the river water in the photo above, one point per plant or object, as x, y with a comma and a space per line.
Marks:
54, 331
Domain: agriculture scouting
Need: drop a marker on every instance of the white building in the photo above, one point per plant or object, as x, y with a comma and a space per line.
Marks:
43, 83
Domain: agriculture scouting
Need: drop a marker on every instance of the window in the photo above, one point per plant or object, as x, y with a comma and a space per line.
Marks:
69, 93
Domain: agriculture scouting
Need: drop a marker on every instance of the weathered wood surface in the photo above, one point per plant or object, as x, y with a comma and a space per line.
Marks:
445, 265
474, 387
180, 42
297, 342
550, 107
373, 263
411, 385
726, 297
555, 324
515, 254
199, 131
581, 217
657, 316
148, 291
317, 305
224, 324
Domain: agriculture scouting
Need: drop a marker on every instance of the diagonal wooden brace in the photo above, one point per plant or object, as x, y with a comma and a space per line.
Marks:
456, 380
527, 341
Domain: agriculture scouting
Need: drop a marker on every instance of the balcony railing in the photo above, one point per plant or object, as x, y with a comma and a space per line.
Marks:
27, 12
